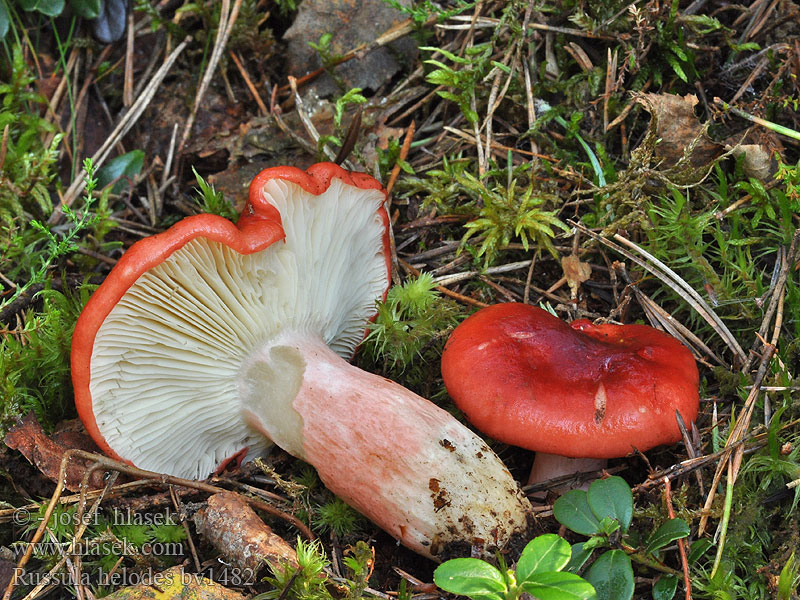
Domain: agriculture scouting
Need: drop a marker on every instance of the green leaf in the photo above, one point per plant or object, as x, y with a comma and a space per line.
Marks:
701, 24
749, 241
543, 554
88, 9
786, 579
125, 165
559, 586
758, 189
595, 543
612, 576
440, 77
470, 577
580, 554
746, 47
504, 68
676, 66
469, 114
699, 547
672, 530
448, 55
613, 498
679, 52
773, 443
4, 20
449, 96
665, 587
573, 511
138, 535
609, 525
50, 8
407, 168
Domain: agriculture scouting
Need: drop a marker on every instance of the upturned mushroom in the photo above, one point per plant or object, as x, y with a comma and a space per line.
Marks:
576, 393
213, 339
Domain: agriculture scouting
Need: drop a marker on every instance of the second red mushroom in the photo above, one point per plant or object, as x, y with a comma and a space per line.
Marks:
527, 378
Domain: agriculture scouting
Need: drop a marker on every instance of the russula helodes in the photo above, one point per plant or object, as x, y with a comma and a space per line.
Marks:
580, 390
212, 338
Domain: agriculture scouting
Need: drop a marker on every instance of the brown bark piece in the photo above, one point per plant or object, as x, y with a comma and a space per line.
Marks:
234, 529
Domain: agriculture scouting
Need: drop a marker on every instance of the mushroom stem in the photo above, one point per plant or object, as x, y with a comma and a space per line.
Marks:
551, 466
406, 464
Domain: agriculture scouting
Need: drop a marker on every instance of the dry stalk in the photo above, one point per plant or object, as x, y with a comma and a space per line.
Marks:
681, 542
746, 413
249, 82
227, 19
128, 120
447, 292
777, 294
311, 130
672, 280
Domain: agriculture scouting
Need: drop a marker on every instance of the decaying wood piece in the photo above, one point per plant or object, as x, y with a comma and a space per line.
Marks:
234, 529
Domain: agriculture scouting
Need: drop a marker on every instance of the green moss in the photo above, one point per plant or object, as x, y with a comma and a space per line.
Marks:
34, 360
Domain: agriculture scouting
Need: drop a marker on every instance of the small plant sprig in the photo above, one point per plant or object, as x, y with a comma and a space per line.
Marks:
788, 579
310, 579
506, 213
412, 316
324, 48
350, 97
58, 247
473, 68
211, 201
539, 572
604, 513
335, 517
360, 561
420, 12
307, 581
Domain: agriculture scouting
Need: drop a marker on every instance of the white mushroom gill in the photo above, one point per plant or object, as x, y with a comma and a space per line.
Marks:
166, 361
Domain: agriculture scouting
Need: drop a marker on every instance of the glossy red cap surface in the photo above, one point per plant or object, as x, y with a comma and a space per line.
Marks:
527, 378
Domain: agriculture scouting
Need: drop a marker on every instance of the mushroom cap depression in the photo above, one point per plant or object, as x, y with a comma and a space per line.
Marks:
157, 352
527, 378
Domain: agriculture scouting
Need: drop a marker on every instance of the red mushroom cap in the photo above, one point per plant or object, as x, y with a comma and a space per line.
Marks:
527, 378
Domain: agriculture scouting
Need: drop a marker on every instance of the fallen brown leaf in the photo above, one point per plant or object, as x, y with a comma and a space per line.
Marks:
575, 271
677, 128
758, 161
46, 454
758, 148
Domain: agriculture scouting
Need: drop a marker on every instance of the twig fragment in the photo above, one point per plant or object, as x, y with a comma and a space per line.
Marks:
124, 125
681, 542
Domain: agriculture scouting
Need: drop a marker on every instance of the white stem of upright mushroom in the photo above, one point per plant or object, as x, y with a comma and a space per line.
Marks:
551, 466
397, 458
